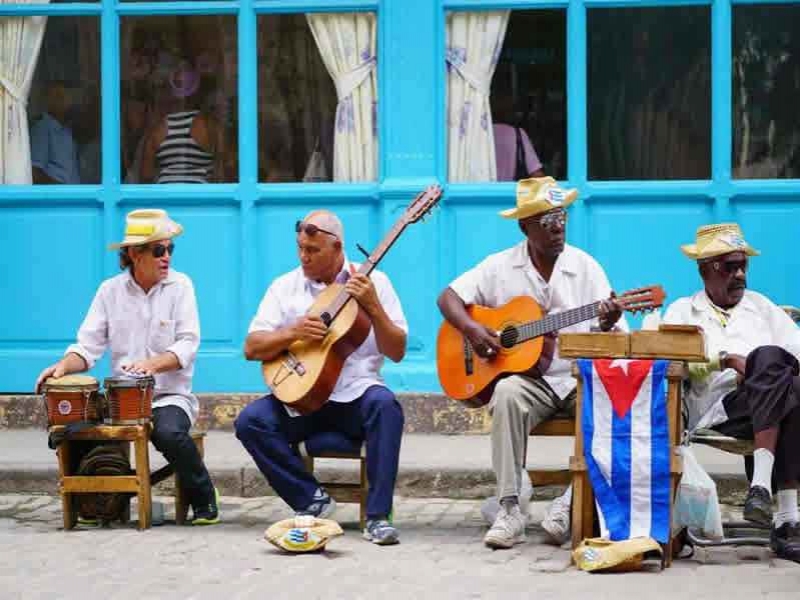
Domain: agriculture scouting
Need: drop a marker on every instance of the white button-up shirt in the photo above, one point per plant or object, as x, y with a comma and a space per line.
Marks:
291, 295
137, 326
577, 280
755, 321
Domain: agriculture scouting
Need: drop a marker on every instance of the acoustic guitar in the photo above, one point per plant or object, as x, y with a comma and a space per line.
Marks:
519, 324
304, 375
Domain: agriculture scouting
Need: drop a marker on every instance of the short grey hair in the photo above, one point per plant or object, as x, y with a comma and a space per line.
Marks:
328, 221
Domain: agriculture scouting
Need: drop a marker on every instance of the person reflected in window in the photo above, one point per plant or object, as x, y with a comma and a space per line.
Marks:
514, 153
186, 146
54, 153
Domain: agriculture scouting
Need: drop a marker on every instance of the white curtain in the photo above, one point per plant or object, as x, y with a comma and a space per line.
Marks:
347, 44
474, 43
20, 40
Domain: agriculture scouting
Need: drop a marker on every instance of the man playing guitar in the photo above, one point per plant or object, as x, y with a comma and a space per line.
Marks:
360, 406
559, 277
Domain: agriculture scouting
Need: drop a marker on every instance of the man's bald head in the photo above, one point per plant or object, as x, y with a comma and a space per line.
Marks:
325, 219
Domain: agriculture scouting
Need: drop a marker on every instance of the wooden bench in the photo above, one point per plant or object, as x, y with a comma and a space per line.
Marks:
138, 484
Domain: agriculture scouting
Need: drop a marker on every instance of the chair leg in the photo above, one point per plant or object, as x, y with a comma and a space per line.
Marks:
582, 509
181, 504
362, 496
143, 474
70, 515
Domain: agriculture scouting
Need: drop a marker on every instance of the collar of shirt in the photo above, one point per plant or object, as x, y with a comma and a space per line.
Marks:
565, 263
315, 287
133, 285
703, 304
55, 123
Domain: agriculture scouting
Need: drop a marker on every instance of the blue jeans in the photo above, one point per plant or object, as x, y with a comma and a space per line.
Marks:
270, 435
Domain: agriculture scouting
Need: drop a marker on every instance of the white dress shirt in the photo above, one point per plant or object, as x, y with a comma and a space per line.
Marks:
755, 321
291, 295
577, 280
137, 326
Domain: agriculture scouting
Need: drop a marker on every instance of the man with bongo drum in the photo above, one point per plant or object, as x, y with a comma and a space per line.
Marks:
147, 316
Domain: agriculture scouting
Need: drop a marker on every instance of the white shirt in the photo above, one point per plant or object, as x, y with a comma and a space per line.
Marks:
138, 326
291, 295
577, 280
755, 321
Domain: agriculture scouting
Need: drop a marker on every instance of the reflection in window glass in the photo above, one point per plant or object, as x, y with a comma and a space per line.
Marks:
64, 103
178, 99
306, 133
649, 93
766, 86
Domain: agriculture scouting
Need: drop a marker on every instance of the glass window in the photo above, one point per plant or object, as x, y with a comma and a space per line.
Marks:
178, 99
519, 130
766, 86
64, 103
649, 93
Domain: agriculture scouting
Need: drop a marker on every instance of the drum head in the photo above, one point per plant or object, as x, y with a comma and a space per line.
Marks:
71, 382
129, 381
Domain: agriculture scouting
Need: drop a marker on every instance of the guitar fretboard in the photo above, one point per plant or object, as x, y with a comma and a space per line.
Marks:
554, 322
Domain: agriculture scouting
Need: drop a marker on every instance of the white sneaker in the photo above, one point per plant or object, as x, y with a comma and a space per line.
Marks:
507, 530
556, 522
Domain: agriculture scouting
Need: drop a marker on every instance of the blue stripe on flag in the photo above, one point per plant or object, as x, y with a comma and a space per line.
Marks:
621, 472
660, 455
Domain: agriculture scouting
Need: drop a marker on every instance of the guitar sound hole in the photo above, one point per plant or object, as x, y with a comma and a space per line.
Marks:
509, 337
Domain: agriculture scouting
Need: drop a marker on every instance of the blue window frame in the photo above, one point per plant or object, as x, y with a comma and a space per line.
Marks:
238, 235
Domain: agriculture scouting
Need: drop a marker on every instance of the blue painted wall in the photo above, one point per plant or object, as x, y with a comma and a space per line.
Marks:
239, 236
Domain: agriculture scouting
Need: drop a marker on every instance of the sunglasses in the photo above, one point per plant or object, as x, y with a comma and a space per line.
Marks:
553, 220
160, 250
311, 230
730, 267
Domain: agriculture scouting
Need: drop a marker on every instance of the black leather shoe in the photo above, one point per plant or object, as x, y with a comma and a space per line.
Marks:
758, 506
785, 541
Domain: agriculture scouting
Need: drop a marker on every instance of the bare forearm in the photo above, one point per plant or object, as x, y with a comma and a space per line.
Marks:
266, 345
73, 363
165, 362
453, 309
390, 338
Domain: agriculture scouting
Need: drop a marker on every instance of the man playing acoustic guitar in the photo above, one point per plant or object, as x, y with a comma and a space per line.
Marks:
558, 277
360, 407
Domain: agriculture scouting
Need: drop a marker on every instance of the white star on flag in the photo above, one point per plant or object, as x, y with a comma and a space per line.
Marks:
620, 363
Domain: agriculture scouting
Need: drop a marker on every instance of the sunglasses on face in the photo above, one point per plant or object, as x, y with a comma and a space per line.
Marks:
310, 229
730, 267
160, 250
552, 220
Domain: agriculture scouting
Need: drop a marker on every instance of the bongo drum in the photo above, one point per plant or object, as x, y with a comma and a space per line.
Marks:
129, 399
71, 399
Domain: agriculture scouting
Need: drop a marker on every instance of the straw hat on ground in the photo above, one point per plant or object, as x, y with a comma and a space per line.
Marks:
716, 240
302, 533
539, 195
143, 226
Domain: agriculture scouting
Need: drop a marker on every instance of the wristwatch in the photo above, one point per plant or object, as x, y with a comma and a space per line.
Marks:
723, 356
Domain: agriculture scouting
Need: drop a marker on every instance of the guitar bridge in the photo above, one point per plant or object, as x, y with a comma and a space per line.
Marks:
289, 365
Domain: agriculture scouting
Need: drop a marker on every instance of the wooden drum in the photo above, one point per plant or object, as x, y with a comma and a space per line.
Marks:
129, 399
72, 399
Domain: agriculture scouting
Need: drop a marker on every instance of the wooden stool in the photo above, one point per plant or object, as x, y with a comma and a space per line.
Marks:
139, 484
559, 425
343, 492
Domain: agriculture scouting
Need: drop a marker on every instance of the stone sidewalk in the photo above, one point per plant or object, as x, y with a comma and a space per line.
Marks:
440, 556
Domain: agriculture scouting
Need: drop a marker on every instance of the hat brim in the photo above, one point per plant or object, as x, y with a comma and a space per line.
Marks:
690, 251
535, 209
139, 241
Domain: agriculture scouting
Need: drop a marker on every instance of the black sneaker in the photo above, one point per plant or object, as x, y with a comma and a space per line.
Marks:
758, 506
209, 514
785, 541
321, 507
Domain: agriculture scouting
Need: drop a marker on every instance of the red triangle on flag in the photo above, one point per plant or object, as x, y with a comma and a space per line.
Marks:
622, 380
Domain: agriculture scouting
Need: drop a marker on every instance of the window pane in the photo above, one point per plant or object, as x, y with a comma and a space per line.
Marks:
520, 130
64, 103
649, 95
304, 134
766, 86
179, 99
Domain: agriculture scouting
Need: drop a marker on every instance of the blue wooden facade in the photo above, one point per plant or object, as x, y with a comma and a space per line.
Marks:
239, 236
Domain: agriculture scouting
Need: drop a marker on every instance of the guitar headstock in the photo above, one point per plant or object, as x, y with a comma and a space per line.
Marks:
422, 204
642, 299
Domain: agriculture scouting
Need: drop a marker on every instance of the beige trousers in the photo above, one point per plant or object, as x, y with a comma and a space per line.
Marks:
518, 405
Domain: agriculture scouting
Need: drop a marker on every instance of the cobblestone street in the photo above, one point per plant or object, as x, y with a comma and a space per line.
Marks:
441, 556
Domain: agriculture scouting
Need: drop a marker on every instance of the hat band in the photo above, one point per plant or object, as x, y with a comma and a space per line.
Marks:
140, 229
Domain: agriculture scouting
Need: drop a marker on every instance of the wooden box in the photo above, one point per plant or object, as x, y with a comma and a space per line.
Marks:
672, 342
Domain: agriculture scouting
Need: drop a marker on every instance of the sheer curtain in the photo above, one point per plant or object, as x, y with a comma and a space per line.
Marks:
20, 41
347, 44
474, 43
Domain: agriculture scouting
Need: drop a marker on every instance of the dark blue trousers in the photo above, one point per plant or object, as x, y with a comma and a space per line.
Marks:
270, 435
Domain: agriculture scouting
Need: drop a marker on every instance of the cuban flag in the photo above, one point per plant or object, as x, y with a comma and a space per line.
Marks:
626, 445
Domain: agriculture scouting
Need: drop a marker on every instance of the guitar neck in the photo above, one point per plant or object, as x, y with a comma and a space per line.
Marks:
554, 322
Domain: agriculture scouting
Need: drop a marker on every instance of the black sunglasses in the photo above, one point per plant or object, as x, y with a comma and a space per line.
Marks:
160, 250
311, 229
730, 267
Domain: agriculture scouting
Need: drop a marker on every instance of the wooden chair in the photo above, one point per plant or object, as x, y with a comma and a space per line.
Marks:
335, 445
139, 483
559, 425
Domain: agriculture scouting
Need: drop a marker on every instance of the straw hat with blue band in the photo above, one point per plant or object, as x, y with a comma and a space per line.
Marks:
716, 240
539, 195
146, 225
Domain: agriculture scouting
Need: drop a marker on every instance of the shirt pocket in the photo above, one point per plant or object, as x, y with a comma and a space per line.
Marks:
161, 335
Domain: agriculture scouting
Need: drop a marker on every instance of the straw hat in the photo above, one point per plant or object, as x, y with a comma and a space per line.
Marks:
146, 225
715, 240
302, 534
538, 195
598, 554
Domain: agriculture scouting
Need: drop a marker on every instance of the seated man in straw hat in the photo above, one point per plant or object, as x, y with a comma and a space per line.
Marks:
559, 277
750, 389
147, 316
360, 407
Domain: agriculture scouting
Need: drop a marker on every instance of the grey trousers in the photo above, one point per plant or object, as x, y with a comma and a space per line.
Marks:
518, 405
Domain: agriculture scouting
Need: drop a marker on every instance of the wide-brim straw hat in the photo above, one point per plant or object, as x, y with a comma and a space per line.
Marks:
302, 533
598, 554
539, 195
146, 225
716, 240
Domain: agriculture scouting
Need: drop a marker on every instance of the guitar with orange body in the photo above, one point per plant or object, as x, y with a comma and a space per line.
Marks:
520, 325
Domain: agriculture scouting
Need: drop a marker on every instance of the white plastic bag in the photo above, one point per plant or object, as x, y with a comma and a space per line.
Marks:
696, 503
